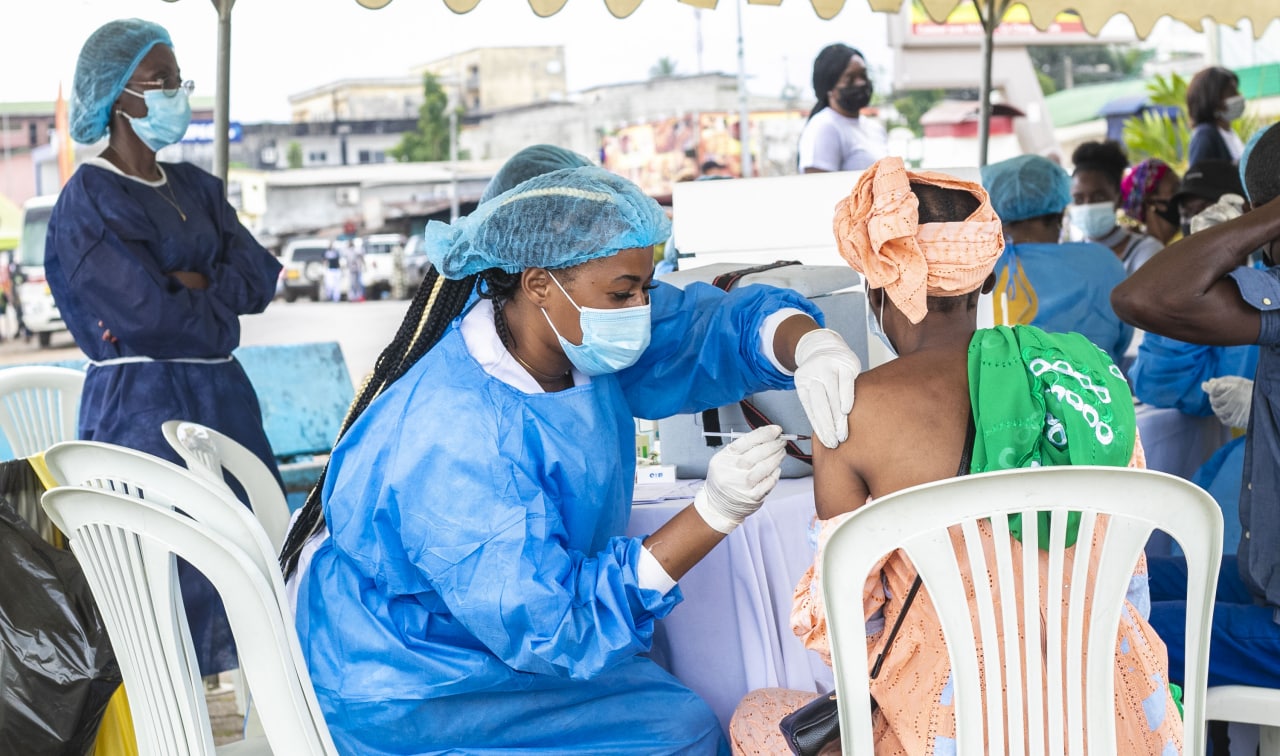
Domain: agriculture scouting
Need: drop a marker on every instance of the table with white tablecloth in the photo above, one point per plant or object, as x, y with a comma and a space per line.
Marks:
732, 633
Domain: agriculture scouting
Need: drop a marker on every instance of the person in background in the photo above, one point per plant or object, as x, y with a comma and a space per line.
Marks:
1146, 198
152, 270
836, 137
1202, 291
955, 394
1095, 195
353, 261
471, 587
1213, 102
333, 273
1204, 184
1055, 286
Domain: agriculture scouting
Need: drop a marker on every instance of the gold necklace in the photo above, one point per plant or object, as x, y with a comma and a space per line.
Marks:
541, 376
171, 198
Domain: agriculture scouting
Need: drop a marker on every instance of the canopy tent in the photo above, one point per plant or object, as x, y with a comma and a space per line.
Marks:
1093, 15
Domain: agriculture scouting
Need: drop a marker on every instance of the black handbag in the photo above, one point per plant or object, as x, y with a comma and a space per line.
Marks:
811, 727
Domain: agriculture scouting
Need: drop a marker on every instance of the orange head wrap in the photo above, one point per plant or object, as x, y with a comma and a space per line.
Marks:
878, 231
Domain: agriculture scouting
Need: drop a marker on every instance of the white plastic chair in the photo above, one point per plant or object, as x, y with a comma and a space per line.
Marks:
207, 452
39, 406
1069, 693
126, 546
1249, 705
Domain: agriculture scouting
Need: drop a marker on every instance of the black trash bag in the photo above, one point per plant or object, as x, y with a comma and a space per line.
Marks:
57, 669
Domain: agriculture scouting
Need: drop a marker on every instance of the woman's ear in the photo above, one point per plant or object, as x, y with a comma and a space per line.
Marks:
535, 284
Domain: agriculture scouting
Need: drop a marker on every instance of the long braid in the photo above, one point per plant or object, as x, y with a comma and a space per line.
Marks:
437, 302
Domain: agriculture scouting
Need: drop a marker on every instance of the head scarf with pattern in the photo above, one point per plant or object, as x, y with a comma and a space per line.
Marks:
1138, 184
878, 231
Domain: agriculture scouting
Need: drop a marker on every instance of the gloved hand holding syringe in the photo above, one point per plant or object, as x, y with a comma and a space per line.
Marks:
739, 434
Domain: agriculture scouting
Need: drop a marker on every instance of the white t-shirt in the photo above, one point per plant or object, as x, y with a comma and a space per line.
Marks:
833, 142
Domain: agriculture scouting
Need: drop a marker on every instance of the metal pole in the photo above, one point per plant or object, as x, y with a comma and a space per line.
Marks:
744, 114
989, 24
222, 98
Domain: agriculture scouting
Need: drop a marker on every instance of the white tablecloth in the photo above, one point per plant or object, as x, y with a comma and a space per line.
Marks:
732, 633
1178, 443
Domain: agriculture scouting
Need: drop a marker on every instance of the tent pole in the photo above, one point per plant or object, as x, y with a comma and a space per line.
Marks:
222, 97
989, 21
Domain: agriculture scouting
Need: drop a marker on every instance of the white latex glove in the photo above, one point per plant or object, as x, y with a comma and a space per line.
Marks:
1231, 398
1228, 207
739, 477
825, 371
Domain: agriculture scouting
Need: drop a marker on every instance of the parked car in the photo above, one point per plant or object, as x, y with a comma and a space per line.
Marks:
383, 261
415, 265
39, 312
303, 272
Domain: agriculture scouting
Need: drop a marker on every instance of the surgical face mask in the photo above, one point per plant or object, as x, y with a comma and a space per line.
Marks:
853, 99
166, 120
611, 339
877, 330
1232, 108
1094, 220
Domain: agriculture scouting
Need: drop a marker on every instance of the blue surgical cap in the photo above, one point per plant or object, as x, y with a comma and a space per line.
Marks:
1244, 158
1027, 186
106, 62
555, 220
530, 162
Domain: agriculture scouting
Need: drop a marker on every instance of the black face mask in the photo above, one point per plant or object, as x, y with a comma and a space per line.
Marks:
853, 99
1169, 212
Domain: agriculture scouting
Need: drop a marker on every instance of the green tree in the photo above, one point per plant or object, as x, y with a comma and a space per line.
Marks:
913, 104
665, 68
430, 141
294, 155
1155, 133
1072, 65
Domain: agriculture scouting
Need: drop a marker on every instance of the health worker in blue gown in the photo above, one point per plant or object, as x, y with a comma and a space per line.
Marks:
474, 591
151, 271
1057, 287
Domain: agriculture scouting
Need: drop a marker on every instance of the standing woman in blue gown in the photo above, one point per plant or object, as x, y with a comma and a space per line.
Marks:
152, 270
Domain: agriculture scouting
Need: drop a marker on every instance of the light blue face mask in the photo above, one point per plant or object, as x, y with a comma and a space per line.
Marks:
611, 339
877, 330
166, 120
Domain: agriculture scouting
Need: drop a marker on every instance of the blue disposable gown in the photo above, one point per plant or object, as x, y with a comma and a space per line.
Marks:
111, 243
476, 592
1168, 372
1063, 288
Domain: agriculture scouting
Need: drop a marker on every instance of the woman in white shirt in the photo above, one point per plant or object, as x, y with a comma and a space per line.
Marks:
836, 138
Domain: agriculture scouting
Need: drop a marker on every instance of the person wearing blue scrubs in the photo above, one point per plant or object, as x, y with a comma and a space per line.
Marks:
151, 270
1057, 287
464, 584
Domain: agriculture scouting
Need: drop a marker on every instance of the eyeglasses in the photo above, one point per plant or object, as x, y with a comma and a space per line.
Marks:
187, 86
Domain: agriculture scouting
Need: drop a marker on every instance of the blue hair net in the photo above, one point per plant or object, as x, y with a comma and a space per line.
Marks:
1027, 186
1244, 158
530, 162
555, 220
106, 62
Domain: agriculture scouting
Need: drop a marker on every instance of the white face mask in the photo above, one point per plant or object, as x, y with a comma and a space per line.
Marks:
1232, 108
1094, 220
877, 329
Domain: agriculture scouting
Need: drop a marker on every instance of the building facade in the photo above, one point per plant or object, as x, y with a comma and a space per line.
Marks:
496, 78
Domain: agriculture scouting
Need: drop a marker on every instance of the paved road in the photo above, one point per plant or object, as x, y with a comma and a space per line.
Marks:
361, 328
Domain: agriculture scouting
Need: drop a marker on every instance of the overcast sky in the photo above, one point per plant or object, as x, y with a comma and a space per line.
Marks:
281, 47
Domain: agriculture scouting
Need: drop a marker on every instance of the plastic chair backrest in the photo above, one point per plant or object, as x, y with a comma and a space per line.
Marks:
39, 406
1044, 679
121, 542
207, 452
93, 464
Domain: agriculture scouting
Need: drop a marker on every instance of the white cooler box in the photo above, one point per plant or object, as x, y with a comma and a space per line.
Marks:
830, 288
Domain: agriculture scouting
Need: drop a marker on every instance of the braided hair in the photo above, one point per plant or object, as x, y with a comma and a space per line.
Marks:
439, 300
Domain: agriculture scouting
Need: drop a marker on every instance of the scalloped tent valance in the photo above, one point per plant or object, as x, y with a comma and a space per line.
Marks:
1093, 13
